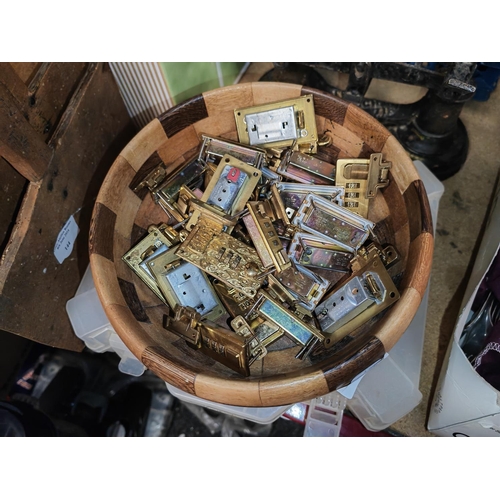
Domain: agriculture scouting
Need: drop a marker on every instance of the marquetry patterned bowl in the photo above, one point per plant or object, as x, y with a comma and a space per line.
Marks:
401, 213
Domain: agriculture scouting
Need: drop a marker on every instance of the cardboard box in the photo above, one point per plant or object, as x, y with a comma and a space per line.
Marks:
464, 403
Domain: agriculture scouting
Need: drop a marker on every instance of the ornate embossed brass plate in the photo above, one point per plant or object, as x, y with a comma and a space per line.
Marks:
223, 257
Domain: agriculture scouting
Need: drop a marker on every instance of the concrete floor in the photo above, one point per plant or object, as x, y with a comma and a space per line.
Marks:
462, 211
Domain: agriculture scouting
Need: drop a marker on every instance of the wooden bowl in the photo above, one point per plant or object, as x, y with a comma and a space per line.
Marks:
121, 217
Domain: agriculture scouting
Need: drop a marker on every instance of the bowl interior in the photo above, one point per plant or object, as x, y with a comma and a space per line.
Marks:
121, 218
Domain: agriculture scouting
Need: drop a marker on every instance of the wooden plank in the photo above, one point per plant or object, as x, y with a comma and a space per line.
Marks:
25, 70
35, 286
20, 144
12, 188
38, 111
52, 89
15, 85
43, 98
21, 227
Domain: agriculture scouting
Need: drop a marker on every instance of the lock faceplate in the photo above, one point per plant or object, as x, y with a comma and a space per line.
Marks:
279, 124
331, 222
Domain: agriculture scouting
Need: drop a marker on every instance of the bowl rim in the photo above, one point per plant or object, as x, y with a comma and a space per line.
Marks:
315, 380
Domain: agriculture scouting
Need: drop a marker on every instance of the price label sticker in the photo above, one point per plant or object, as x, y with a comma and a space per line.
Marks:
66, 240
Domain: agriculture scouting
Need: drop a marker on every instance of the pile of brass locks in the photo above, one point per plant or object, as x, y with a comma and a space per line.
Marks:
254, 227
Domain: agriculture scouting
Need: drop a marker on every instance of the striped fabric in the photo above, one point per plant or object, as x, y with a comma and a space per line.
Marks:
146, 91
143, 88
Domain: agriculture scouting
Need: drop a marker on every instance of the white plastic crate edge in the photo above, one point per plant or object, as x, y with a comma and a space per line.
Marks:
399, 372
91, 325
259, 415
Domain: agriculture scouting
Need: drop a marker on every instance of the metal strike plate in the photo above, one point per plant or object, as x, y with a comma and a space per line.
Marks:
270, 175
265, 238
375, 282
308, 287
361, 178
280, 293
332, 222
262, 333
236, 303
198, 209
223, 257
190, 174
344, 304
306, 169
184, 198
185, 323
153, 178
312, 251
266, 331
220, 344
232, 185
241, 327
279, 124
229, 183
157, 241
182, 283
278, 210
214, 148
293, 195
292, 325
170, 208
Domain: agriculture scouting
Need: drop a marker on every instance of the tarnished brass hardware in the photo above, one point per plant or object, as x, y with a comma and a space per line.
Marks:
280, 293
153, 179
308, 348
165, 187
270, 175
191, 175
169, 207
223, 257
279, 124
308, 287
158, 240
266, 331
368, 292
182, 283
324, 140
312, 251
230, 187
198, 209
214, 148
265, 238
293, 194
262, 333
236, 303
306, 169
362, 178
258, 242
185, 196
332, 222
293, 326
221, 344
240, 233
279, 210
241, 327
